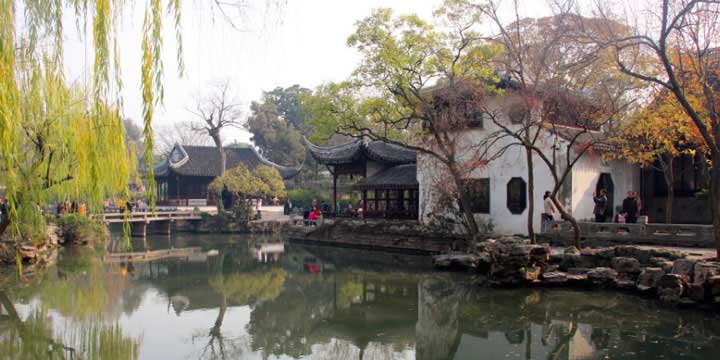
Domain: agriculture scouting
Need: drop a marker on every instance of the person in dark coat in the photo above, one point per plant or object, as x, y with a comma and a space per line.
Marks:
630, 208
601, 204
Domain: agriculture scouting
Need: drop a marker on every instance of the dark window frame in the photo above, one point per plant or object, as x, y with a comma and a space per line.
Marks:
516, 205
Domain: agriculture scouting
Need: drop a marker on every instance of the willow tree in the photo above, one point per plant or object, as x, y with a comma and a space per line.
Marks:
58, 141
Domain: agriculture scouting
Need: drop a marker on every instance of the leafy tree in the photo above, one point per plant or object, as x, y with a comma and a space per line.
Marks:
388, 99
264, 181
655, 137
687, 28
277, 124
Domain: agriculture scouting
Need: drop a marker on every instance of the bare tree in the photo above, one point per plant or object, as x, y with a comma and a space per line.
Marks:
683, 40
178, 133
217, 111
547, 71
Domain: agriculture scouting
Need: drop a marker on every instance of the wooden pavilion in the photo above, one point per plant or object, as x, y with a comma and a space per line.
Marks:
389, 186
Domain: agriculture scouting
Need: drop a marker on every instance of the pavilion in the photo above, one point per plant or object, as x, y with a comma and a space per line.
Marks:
389, 186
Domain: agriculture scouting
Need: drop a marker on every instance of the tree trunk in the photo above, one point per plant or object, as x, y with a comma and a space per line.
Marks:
215, 135
531, 195
670, 181
465, 207
715, 200
568, 217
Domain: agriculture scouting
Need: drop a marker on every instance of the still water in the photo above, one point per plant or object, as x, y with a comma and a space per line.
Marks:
239, 297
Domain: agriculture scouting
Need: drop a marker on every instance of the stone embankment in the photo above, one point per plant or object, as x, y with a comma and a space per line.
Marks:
30, 254
666, 275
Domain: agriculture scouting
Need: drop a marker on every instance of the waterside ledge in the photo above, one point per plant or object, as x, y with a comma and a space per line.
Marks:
667, 275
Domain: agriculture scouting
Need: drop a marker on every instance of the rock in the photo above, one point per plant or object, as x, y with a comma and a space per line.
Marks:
641, 255
578, 271
625, 284
588, 252
555, 277
580, 279
696, 292
649, 278
671, 288
683, 267
657, 261
713, 284
571, 250
704, 270
572, 261
606, 253
602, 276
666, 266
625, 264
449, 261
551, 268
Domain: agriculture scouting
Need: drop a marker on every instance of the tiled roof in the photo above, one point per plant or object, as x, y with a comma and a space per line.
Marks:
357, 149
401, 176
204, 161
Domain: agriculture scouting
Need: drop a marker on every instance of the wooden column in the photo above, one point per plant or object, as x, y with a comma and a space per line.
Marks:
177, 189
334, 204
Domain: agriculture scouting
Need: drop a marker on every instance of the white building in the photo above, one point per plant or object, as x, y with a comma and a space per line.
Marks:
501, 205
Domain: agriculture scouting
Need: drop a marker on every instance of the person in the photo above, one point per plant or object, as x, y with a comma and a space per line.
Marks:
601, 203
350, 209
74, 207
288, 207
630, 208
314, 216
82, 209
549, 212
258, 207
325, 208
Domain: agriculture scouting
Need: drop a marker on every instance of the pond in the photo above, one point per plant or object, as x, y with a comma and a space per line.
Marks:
241, 297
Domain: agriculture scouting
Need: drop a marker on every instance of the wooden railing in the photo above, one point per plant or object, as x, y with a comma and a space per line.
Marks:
148, 216
653, 234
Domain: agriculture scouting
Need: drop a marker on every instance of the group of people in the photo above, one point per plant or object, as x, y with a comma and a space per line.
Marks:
627, 213
65, 207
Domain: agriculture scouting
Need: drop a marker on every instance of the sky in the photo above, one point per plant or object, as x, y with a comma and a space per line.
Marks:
296, 42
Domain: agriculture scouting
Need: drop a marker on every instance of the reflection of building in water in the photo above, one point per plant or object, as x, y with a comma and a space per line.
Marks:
269, 252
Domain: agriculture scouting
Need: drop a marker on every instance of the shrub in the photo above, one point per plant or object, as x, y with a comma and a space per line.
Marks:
79, 229
302, 198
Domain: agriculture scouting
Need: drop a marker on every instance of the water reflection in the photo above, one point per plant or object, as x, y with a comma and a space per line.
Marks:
236, 297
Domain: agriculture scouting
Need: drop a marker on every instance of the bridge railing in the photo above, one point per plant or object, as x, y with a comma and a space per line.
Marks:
651, 234
150, 216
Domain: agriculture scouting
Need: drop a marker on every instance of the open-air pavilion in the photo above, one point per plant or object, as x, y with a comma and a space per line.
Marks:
389, 188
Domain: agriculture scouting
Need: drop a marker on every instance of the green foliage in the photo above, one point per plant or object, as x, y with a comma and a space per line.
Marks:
302, 198
56, 140
77, 228
264, 181
277, 124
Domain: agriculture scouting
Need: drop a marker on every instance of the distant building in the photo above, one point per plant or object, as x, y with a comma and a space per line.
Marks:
183, 177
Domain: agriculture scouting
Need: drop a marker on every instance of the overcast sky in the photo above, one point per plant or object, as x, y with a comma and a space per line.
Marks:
301, 42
